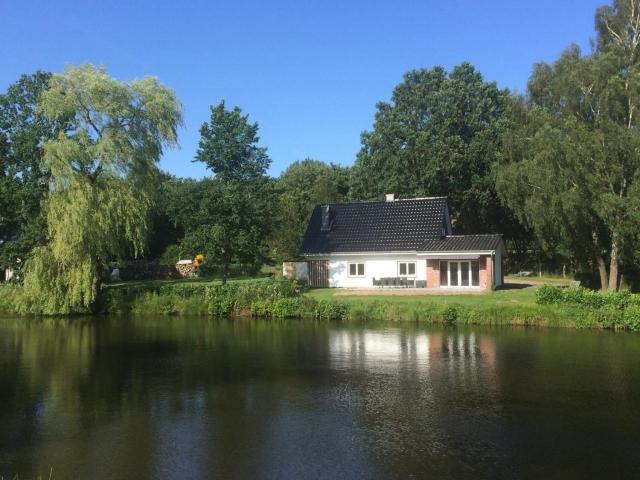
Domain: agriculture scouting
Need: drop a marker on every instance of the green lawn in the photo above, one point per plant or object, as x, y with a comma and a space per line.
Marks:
512, 306
546, 278
510, 297
175, 281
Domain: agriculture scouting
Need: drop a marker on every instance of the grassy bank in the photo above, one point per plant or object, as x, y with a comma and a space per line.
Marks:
281, 299
271, 298
502, 307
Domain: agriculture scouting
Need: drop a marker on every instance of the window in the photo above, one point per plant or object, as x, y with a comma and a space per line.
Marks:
459, 274
356, 269
464, 274
453, 274
475, 274
407, 269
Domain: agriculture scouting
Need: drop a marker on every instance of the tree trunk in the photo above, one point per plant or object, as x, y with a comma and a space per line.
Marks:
225, 272
96, 282
613, 268
602, 268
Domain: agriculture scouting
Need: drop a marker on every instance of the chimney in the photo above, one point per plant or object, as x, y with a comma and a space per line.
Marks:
326, 218
390, 197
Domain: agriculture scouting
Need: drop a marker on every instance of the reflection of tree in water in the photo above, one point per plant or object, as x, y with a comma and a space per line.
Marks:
124, 398
148, 387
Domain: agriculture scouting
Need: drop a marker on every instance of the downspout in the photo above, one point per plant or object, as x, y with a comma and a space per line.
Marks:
493, 270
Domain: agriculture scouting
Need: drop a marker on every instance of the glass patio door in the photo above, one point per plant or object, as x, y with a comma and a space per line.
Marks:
459, 274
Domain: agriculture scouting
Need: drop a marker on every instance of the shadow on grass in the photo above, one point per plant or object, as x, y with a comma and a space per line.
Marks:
514, 286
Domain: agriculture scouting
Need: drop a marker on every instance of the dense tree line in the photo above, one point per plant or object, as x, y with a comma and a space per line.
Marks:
555, 170
570, 168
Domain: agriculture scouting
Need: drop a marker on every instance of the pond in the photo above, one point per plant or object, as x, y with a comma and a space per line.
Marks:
114, 398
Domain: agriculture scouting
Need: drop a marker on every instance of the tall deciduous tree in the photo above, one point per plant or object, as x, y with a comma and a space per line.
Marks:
235, 219
301, 186
100, 170
229, 146
572, 165
23, 180
439, 135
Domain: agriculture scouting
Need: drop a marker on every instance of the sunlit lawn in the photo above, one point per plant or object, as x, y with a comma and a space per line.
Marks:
175, 281
513, 296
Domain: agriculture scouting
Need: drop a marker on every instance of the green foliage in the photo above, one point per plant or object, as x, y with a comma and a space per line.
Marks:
450, 314
439, 135
331, 310
9, 297
232, 218
284, 308
100, 174
172, 253
154, 299
570, 166
547, 294
599, 310
229, 146
52, 287
228, 222
23, 180
236, 297
300, 187
632, 318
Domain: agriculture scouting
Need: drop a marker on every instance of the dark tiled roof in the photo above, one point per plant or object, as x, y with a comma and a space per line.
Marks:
402, 225
462, 243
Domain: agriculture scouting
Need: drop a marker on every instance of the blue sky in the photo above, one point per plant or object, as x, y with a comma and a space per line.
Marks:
309, 72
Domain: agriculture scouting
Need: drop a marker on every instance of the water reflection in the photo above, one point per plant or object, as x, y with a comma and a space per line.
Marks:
198, 398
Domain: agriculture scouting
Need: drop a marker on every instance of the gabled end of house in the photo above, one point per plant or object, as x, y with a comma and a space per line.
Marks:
395, 243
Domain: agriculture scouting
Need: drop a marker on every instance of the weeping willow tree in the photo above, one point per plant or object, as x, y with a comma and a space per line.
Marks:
101, 170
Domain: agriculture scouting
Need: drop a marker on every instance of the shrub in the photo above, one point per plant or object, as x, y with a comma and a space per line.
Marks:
330, 310
547, 294
254, 296
582, 296
115, 300
286, 308
10, 297
619, 300
609, 317
631, 318
220, 300
155, 303
450, 315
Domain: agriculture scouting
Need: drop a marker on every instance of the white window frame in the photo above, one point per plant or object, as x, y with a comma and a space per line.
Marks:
408, 275
469, 265
364, 269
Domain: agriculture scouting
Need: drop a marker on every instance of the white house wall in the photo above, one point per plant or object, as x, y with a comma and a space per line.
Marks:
302, 271
498, 268
375, 266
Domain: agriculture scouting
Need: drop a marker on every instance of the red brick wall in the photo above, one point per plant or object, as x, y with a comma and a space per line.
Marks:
433, 273
486, 272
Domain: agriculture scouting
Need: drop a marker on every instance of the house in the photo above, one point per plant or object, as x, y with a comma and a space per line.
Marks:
395, 243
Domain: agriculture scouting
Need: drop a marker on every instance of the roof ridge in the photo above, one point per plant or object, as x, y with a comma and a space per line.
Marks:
359, 202
420, 198
476, 235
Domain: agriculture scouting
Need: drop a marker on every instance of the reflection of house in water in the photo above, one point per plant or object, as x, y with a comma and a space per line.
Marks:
467, 353
417, 384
